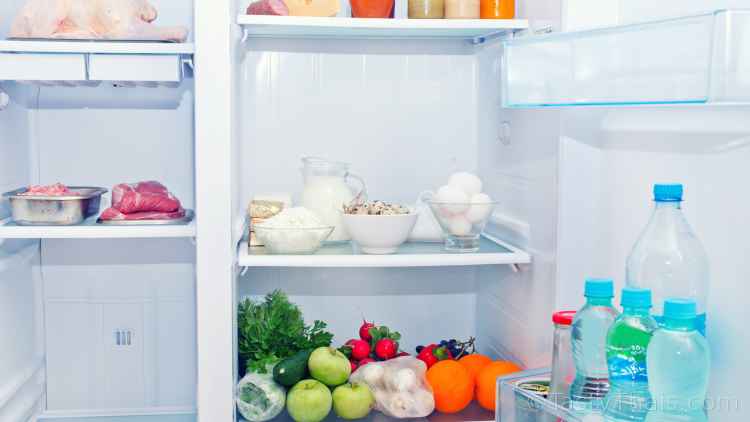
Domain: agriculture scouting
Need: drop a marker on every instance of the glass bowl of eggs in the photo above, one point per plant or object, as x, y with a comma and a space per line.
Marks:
462, 211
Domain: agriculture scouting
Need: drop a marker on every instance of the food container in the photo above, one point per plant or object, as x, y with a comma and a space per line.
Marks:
426, 9
497, 9
39, 210
379, 234
462, 9
382, 9
462, 223
293, 240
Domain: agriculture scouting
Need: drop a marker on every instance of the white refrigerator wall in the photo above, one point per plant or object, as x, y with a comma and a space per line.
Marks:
21, 360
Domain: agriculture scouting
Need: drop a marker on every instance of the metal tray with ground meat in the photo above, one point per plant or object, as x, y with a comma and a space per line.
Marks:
43, 210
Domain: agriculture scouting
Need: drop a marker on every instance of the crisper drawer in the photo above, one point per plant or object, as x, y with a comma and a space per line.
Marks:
42, 67
135, 67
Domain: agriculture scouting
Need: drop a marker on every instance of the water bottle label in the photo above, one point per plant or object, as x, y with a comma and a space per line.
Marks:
628, 364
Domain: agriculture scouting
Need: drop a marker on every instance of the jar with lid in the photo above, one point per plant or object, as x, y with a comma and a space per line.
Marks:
497, 9
462, 9
563, 368
426, 9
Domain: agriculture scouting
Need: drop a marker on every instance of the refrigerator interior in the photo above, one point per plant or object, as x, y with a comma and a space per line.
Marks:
68, 304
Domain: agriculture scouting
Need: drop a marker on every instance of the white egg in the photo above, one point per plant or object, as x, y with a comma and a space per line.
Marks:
467, 182
456, 201
480, 208
460, 226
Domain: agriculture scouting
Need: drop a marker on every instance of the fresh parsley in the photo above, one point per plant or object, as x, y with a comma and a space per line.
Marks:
274, 329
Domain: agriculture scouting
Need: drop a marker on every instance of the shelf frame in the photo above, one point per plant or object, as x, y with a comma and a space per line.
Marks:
474, 30
91, 230
434, 256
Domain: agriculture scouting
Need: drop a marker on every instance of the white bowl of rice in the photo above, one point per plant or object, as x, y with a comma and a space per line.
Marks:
294, 231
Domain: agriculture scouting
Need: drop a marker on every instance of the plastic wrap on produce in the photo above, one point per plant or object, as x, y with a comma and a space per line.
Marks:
400, 387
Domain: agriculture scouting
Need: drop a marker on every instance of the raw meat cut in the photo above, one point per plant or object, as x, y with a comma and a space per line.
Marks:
143, 196
113, 214
58, 189
143, 201
92, 19
268, 7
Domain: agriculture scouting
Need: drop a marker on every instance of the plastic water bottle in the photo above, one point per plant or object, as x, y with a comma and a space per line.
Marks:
668, 258
627, 342
589, 338
679, 362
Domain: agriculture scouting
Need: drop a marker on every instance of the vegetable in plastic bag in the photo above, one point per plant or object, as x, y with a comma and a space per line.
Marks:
400, 387
259, 397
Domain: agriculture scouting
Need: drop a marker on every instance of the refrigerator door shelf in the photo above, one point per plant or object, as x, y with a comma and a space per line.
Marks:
700, 59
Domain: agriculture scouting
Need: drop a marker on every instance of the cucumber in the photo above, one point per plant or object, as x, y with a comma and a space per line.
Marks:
293, 369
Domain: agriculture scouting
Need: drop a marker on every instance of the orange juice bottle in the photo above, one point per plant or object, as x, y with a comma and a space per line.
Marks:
497, 9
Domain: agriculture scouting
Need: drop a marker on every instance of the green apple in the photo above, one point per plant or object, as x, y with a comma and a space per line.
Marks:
353, 401
309, 401
329, 366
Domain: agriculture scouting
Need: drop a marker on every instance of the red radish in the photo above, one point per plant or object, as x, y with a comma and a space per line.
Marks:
360, 348
427, 356
386, 349
364, 330
354, 365
365, 361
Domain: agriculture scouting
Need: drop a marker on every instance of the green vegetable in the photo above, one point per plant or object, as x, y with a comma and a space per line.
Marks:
274, 329
292, 369
259, 398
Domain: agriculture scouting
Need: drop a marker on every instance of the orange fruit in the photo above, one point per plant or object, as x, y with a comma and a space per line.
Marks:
474, 363
487, 381
452, 385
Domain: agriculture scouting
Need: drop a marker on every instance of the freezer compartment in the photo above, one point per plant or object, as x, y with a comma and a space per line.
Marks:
687, 60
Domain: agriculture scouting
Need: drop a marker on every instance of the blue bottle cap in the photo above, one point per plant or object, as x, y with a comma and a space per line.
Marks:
683, 309
635, 298
599, 287
668, 193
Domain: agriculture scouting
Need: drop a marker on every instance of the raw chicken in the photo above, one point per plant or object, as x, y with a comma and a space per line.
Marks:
92, 19
58, 189
268, 7
143, 196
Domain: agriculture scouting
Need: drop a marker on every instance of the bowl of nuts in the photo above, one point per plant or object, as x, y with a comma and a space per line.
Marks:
379, 227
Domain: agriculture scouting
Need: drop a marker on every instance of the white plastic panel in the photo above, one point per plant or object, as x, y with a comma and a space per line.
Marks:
135, 67
697, 59
120, 320
42, 67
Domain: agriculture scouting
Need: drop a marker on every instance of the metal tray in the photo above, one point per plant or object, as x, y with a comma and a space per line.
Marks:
189, 214
55, 210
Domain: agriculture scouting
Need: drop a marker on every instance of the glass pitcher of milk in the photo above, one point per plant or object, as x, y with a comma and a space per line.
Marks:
326, 191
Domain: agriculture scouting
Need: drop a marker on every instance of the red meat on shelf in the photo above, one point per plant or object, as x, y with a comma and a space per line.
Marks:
143, 201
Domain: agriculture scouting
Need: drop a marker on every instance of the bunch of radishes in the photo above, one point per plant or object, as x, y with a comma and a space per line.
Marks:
374, 343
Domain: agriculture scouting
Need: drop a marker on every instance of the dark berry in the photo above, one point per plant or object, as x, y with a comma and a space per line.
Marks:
419, 348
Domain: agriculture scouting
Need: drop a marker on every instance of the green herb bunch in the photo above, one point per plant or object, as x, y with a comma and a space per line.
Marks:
274, 329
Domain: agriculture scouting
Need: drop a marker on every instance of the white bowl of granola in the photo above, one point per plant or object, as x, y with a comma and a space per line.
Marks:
379, 228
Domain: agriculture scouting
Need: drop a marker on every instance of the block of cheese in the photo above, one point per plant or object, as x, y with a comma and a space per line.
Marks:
320, 8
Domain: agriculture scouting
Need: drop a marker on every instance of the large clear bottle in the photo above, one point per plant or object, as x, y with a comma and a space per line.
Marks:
627, 342
668, 258
679, 362
589, 338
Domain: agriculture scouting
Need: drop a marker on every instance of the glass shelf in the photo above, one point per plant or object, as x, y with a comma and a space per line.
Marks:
417, 254
520, 405
477, 30
703, 59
